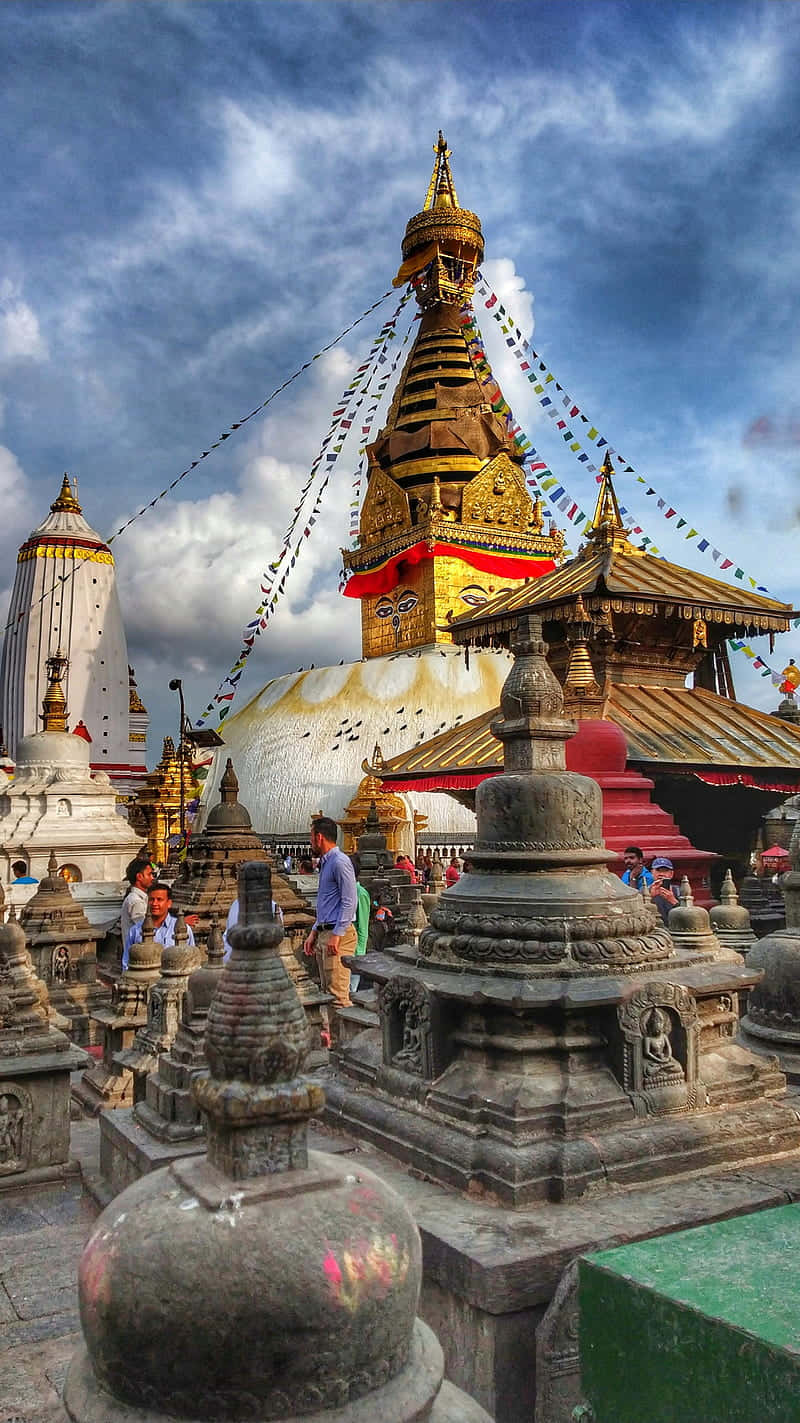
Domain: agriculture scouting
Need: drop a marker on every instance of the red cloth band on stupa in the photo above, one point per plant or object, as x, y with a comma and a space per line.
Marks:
387, 575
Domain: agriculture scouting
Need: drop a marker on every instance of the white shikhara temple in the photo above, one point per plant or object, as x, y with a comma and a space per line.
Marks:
65, 601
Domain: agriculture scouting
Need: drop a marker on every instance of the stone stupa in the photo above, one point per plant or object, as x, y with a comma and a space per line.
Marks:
772, 1022
547, 1037
262, 1280
36, 1060
63, 946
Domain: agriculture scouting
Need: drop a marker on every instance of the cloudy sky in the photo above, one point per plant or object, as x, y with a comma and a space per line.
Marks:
198, 196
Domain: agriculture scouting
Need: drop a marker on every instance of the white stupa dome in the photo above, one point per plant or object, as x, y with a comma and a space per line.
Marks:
299, 744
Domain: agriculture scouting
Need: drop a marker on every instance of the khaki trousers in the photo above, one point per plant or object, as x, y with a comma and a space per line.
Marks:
334, 977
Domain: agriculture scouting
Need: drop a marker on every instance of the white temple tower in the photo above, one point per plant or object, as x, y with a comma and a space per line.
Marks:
65, 600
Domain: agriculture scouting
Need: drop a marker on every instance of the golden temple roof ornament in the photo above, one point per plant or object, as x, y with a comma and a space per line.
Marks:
443, 243
606, 528
66, 501
54, 706
441, 189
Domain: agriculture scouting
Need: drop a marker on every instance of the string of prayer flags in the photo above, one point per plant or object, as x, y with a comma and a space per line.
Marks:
560, 407
235, 425
273, 579
366, 428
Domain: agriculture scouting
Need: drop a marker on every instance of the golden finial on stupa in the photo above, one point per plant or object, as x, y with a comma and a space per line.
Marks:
444, 238
54, 706
66, 501
580, 679
607, 527
441, 189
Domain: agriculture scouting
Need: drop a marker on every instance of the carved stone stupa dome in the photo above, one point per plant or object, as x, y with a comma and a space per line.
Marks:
264, 1281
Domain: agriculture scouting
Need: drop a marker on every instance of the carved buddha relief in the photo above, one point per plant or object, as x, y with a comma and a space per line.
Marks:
411, 1042
60, 965
16, 1111
659, 1027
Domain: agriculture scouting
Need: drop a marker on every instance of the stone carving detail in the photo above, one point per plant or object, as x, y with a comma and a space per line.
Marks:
558, 1365
658, 1063
408, 1030
16, 1116
660, 1030
483, 939
386, 510
60, 965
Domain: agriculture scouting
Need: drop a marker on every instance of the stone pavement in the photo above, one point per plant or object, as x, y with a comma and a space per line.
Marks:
42, 1232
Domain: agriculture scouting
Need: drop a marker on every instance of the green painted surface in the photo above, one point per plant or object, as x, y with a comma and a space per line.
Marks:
702, 1326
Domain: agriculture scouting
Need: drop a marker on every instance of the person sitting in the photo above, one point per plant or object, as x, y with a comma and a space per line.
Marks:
663, 890
160, 900
402, 862
453, 872
636, 873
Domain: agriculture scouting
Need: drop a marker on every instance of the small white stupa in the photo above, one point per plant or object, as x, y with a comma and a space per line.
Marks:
57, 803
65, 597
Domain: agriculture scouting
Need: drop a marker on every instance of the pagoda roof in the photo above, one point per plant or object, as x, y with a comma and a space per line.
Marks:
683, 729
620, 571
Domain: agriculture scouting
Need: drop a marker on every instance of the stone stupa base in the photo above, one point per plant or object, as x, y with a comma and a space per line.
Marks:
418, 1392
499, 1286
778, 1043
543, 1104
128, 1150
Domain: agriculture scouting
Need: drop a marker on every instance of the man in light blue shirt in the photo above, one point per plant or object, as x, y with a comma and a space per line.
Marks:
159, 898
333, 934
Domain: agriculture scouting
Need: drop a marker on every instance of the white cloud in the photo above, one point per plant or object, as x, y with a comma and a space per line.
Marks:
20, 336
222, 545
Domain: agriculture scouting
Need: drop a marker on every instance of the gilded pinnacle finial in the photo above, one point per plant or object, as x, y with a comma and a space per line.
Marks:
54, 706
441, 189
66, 501
443, 243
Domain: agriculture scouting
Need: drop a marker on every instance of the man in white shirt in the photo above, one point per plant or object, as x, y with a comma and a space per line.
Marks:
139, 875
160, 898
233, 918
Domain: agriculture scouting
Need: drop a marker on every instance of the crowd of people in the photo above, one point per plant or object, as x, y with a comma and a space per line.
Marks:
344, 910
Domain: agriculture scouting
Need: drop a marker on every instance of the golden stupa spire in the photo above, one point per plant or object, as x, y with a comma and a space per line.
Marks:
441, 189
443, 243
54, 706
66, 501
606, 528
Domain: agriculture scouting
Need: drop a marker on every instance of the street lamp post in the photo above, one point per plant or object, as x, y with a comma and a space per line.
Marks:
176, 685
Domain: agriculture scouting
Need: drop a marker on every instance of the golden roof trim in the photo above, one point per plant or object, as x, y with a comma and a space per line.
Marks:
663, 726
64, 550
598, 575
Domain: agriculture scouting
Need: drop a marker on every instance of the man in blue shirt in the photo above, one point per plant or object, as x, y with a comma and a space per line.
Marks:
636, 873
333, 935
160, 900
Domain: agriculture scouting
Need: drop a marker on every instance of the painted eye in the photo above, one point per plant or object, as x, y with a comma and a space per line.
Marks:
473, 595
407, 600
383, 608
